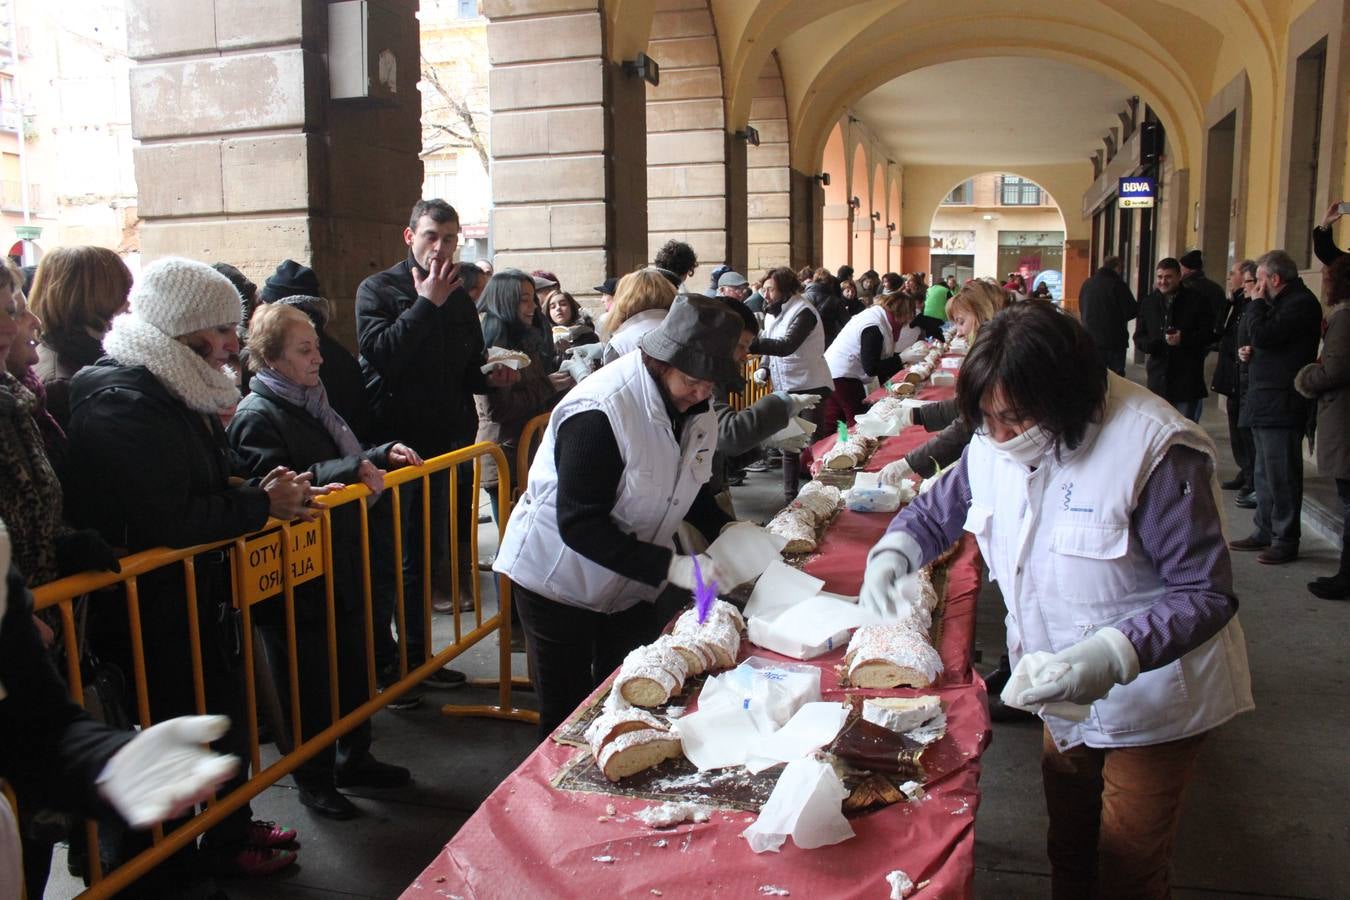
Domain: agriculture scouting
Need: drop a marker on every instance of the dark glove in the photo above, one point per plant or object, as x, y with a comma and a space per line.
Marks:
84, 551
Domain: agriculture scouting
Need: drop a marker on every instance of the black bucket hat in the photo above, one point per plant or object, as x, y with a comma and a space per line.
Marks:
698, 337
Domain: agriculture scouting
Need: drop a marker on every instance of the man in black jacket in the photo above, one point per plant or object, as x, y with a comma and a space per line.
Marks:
1285, 323
1106, 307
422, 351
1175, 329
1193, 277
1228, 377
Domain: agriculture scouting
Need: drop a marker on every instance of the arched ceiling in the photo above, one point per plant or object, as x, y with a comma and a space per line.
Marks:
997, 111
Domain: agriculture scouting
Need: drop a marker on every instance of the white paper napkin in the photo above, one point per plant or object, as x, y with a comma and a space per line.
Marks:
743, 551
805, 804
810, 728
779, 587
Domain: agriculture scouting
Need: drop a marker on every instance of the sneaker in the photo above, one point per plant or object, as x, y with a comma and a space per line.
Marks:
410, 700
254, 861
1246, 499
447, 678
758, 465
269, 835
1234, 484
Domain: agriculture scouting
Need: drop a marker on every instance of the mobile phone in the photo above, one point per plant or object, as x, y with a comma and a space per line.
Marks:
1343, 208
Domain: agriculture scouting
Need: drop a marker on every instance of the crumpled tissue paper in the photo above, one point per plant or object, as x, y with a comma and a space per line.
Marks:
806, 803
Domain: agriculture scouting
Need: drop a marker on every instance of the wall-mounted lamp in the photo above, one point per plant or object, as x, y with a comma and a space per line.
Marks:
877, 216
855, 203
644, 67
823, 178
750, 135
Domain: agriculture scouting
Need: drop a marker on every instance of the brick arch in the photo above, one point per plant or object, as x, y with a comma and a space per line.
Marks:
862, 214
835, 238
768, 178
879, 234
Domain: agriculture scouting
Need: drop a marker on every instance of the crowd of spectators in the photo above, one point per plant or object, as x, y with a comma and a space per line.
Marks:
190, 406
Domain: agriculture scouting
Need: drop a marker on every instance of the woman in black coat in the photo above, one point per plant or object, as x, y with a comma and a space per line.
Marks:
286, 420
148, 466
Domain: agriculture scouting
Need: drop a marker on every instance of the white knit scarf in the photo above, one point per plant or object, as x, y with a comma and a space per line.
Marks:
204, 388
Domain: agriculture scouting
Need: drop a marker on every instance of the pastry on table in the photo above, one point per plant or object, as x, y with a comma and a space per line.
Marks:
851, 453
797, 527
651, 675
901, 714
637, 751
891, 656
903, 388
610, 725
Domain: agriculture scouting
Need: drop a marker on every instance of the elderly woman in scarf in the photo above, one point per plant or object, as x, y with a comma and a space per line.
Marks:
286, 420
148, 466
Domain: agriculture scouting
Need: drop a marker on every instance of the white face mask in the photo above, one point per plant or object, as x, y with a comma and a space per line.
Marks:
1026, 448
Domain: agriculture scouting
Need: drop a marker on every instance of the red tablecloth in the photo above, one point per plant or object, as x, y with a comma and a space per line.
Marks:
531, 840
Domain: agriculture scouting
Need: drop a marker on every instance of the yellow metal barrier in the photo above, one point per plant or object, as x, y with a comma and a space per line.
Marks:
753, 391
530, 437
275, 561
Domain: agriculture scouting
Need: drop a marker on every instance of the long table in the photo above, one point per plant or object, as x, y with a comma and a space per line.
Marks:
529, 839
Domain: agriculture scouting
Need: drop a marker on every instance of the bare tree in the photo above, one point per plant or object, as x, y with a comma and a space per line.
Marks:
453, 123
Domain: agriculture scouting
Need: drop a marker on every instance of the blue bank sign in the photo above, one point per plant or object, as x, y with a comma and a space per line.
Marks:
1136, 193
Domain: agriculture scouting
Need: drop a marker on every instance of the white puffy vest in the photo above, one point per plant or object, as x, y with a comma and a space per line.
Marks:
806, 369
625, 340
1058, 542
844, 355
659, 482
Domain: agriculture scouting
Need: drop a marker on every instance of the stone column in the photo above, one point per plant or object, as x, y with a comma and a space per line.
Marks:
836, 236
692, 185
244, 159
805, 200
770, 229
568, 129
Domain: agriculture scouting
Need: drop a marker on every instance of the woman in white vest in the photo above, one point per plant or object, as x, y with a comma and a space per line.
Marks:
641, 301
867, 348
793, 347
626, 458
1094, 504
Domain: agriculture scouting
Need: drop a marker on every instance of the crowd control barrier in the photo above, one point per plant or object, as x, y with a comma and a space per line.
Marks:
753, 391
272, 563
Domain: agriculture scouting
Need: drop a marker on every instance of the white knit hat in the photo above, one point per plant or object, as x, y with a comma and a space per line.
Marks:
178, 296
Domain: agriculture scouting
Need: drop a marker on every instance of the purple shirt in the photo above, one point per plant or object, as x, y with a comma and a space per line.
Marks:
1177, 526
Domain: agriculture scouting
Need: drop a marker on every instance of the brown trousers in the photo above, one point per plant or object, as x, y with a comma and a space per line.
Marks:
1114, 816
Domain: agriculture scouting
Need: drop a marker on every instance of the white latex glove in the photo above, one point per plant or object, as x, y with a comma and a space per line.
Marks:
761, 376
913, 355
681, 573
895, 473
888, 564
1084, 672
800, 403
793, 444
165, 769
579, 369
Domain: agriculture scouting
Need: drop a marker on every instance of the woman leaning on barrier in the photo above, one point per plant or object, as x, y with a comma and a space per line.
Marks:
149, 466
625, 459
286, 420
